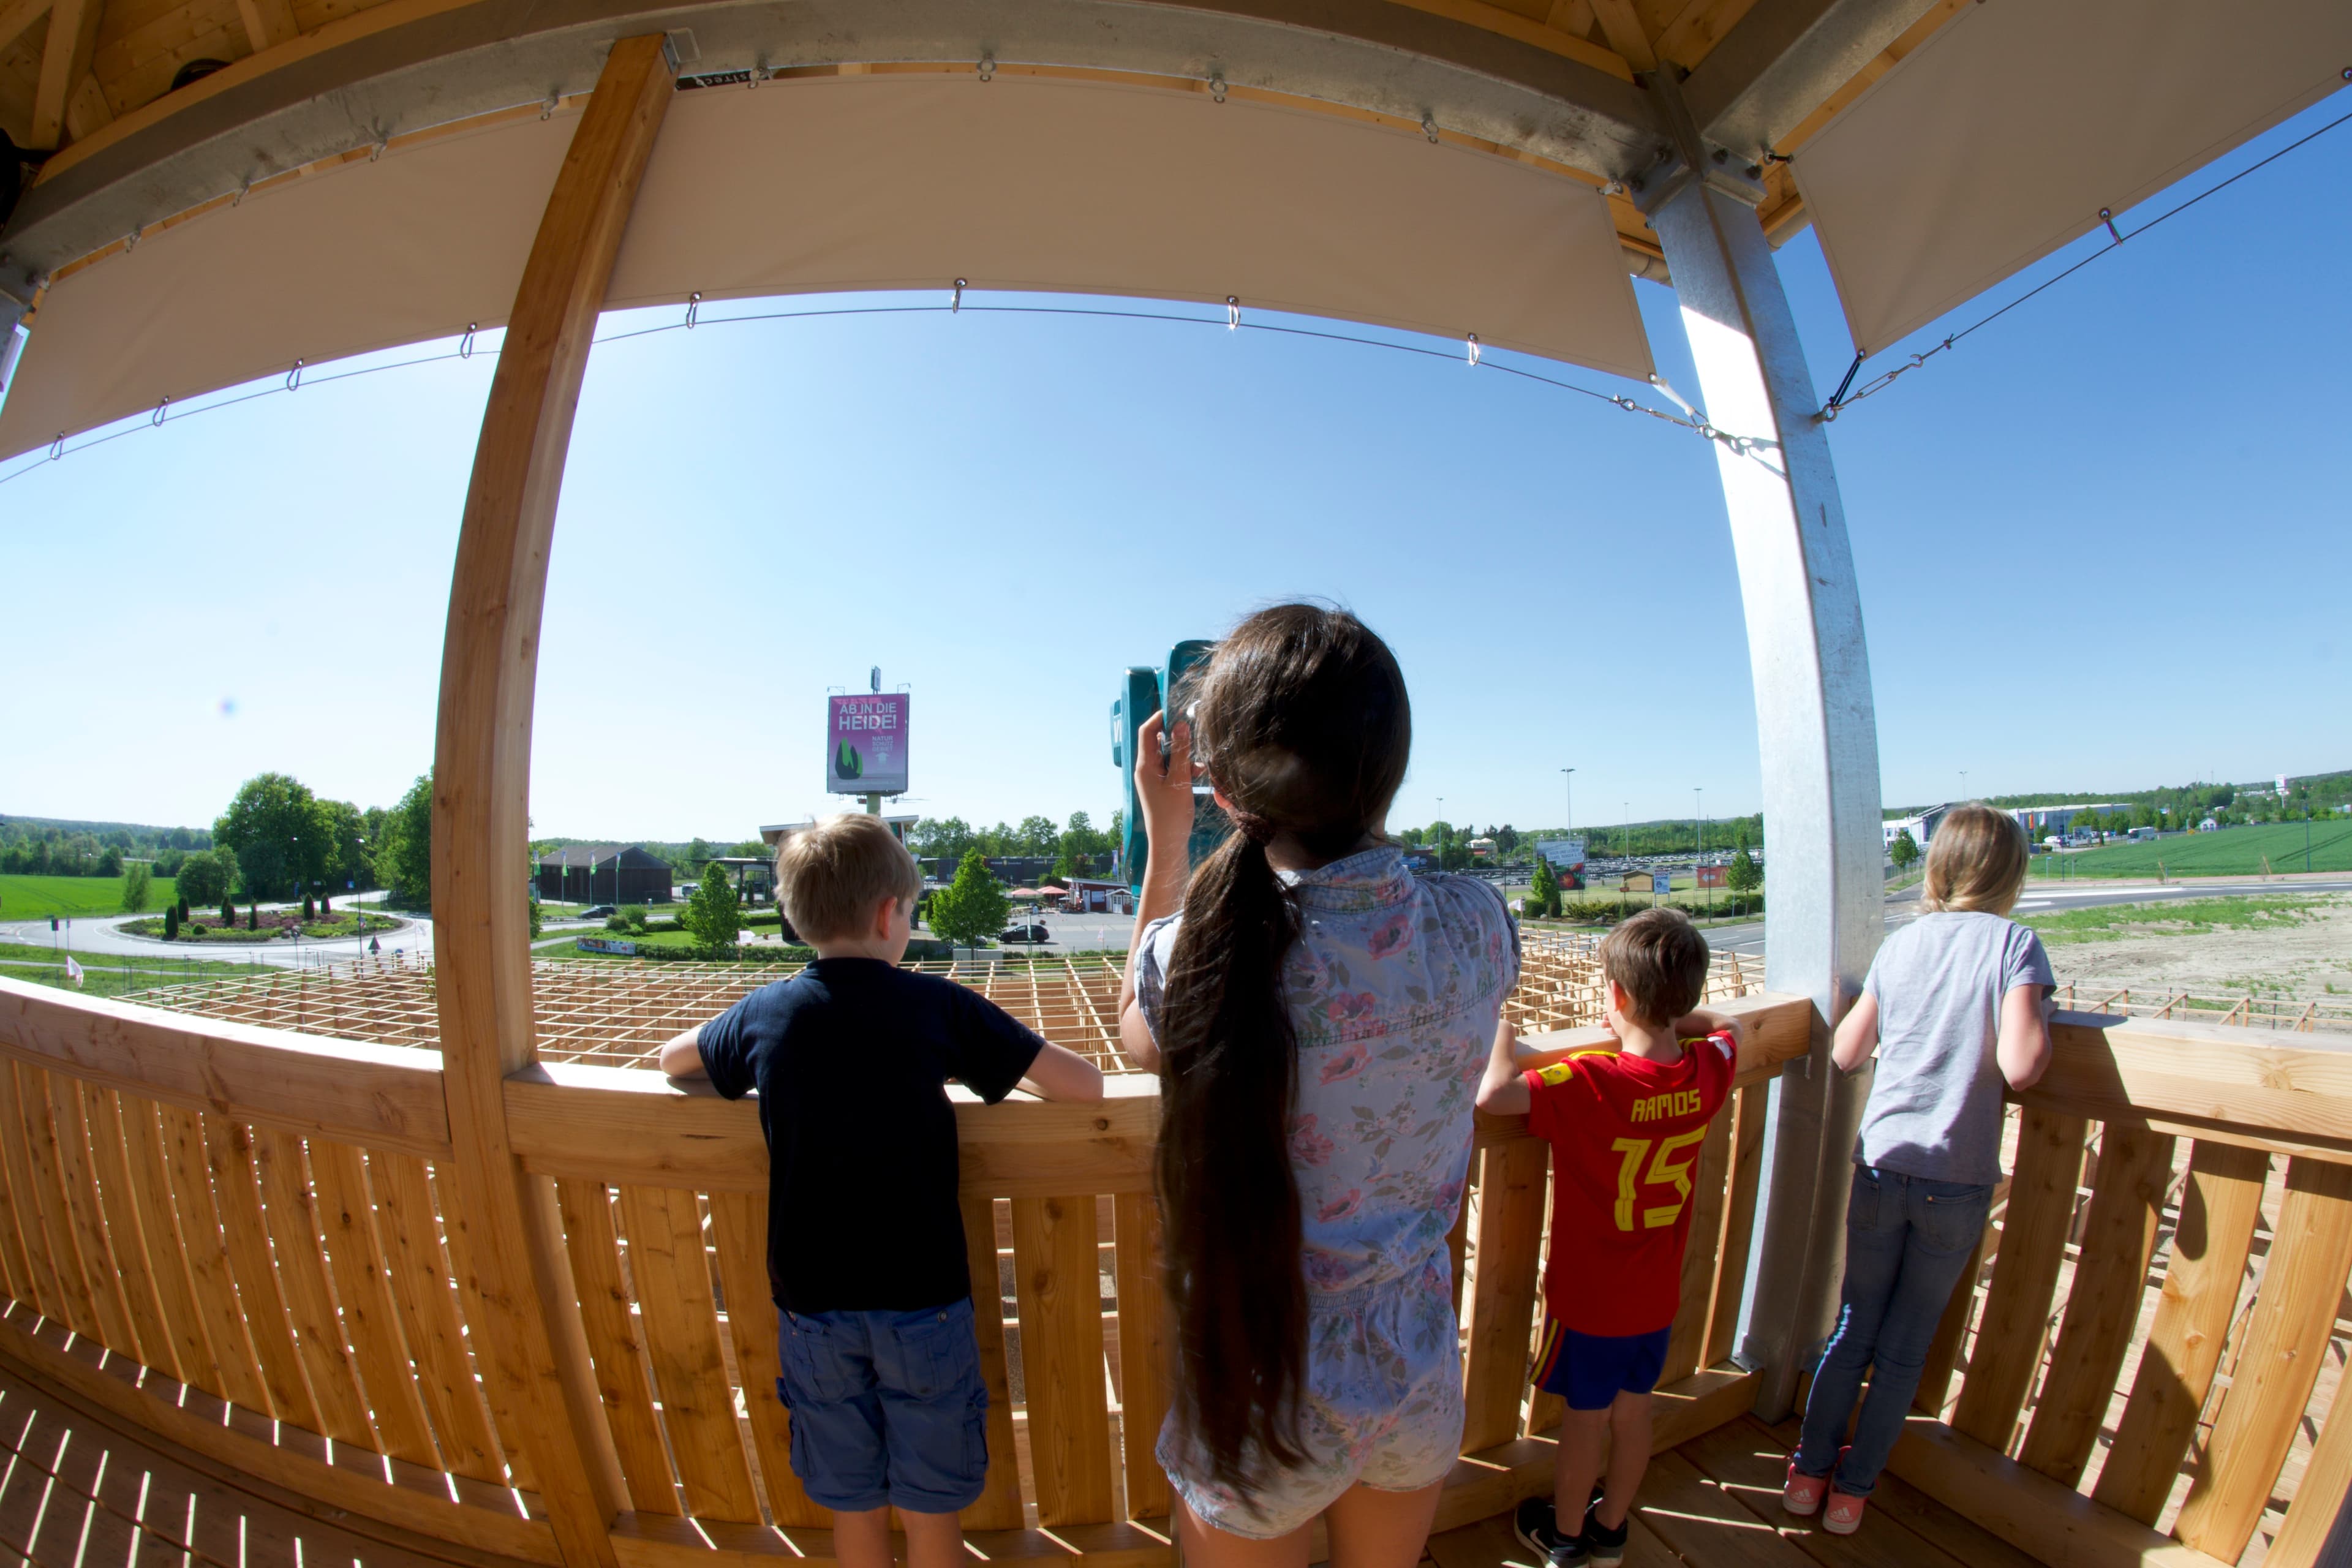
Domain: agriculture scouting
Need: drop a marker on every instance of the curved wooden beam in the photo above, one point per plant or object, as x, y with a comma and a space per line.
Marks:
505, 1230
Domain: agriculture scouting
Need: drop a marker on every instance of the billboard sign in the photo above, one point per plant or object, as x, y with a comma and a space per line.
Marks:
865, 744
1661, 883
1714, 877
1565, 854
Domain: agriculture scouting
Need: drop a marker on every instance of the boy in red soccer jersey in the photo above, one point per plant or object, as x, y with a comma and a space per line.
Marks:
1625, 1127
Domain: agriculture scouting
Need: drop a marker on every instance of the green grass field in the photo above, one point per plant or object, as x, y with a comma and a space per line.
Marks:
107, 976
2233, 852
37, 898
2114, 923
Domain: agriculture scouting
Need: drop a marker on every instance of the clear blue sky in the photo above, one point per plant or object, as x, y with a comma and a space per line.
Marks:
2102, 546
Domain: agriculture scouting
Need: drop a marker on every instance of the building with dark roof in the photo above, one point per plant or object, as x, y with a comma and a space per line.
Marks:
603, 874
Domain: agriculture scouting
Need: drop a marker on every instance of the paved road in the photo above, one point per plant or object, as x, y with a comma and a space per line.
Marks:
98, 936
2044, 898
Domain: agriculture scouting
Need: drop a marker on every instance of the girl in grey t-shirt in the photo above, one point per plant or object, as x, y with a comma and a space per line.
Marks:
1956, 1008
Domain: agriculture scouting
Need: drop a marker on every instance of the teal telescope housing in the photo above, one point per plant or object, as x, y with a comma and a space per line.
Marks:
1144, 692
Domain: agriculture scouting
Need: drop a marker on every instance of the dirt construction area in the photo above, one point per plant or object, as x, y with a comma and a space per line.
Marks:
2290, 945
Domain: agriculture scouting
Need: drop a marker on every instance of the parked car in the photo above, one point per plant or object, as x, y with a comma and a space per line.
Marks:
599, 913
1033, 932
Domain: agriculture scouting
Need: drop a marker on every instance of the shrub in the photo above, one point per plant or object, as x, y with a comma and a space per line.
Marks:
310, 909
1531, 909
635, 917
228, 913
616, 921
171, 923
253, 916
713, 915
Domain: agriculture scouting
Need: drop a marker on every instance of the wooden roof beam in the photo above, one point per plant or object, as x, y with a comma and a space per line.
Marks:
17, 17
268, 22
65, 61
1782, 59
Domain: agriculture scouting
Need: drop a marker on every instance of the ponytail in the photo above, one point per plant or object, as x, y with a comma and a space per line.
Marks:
1229, 1080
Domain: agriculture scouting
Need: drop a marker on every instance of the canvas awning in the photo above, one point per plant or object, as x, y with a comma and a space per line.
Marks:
883, 182
1999, 139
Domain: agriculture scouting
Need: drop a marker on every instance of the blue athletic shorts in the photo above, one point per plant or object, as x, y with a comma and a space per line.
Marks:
1589, 1370
887, 1407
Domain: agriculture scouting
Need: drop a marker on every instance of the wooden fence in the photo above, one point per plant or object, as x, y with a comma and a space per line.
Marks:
258, 1245
2301, 1015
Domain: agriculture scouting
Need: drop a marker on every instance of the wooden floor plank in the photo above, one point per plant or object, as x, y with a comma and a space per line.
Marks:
1924, 1517
1489, 1544
1751, 1466
1698, 1518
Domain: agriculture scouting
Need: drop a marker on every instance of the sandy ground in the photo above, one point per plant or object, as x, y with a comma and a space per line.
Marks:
2311, 956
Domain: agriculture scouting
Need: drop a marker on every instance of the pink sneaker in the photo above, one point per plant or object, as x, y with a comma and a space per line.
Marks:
1803, 1493
1844, 1516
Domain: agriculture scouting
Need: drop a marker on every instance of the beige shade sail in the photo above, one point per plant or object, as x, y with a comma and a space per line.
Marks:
2000, 138
885, 181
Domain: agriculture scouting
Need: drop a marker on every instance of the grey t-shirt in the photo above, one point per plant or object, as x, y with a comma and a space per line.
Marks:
1934, 1103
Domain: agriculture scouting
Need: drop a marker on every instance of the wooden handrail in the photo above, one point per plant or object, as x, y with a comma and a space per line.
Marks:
381, 1096
2231, 1083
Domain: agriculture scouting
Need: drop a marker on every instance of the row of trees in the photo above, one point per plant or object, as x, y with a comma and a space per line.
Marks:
29, 846
1074, 842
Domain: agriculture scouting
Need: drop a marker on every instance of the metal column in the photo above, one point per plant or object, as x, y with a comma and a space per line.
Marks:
1816, 728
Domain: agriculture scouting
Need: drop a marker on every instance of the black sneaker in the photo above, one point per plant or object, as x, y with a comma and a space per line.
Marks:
1537, 1527
1603, 1547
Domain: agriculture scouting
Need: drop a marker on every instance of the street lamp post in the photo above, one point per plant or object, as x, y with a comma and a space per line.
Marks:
1698, 865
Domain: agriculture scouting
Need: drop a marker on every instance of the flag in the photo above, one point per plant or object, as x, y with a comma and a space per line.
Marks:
73, 968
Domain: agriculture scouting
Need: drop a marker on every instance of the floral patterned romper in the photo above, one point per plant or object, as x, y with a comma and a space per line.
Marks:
1395, 985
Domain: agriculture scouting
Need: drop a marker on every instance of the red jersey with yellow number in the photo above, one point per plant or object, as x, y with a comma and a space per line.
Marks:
1626, 1134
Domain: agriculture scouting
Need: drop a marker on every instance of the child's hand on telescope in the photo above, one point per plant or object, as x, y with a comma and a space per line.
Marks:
1163, 784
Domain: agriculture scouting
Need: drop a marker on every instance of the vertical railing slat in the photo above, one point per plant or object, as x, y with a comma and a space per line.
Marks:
126, 1230
2220, 1205
2319, 1496
1746, 1115
363, 1284
1503, 1298
615, 1345
2279, 1360
1944, 1346
1142, 1352
229, 1146
69, 1126
999, 1507
673, 1281
43, 1287
419, 1271
1054, 1267
738, 1223
2024, 1279
168, 1255
294, 1233
2103, 1302
208, 1266
75, 1305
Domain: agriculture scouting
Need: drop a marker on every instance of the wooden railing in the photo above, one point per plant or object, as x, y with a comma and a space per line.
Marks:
255, 1244
252, 1242
2091, 1394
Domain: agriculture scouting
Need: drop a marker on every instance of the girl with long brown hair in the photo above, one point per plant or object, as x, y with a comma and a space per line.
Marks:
1319, 1016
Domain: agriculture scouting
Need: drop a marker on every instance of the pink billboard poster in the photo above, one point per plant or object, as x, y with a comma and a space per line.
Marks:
865, 744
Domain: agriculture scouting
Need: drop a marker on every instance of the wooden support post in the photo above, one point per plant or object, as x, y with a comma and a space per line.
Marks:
505, 1230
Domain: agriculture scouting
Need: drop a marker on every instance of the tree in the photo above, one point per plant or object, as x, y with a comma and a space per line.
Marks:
1904, 851
310, 909
252, 917
138, 885
171, 921
1506, 838
1744, 876
1438, 834
713, 915
972, 908
110, 863
1036, 836
228, 914
205, 877
1546, 888
279, 833
404, 851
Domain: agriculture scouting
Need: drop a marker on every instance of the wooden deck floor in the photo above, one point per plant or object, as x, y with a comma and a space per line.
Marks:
1715, 1503
76, 1493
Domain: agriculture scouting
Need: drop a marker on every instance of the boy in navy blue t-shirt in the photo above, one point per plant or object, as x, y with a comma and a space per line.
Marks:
866, 1242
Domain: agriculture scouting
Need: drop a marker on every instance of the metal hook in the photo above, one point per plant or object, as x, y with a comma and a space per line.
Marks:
547, 109
294, 376
1429, 128
380, 146
693, 307
2109, 218
58, 446
130, 241
157, 418
238, 200
988, 68
1217, 87
1233, 311
956, 304
466, 344
1471, 341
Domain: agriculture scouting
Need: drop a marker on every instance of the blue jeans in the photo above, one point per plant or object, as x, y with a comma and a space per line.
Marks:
1907, 1242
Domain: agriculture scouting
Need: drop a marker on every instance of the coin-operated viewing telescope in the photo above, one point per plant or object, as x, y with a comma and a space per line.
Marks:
1143, 692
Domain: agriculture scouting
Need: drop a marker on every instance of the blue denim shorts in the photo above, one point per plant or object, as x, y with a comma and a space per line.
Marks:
1589, 1370
887, 1407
